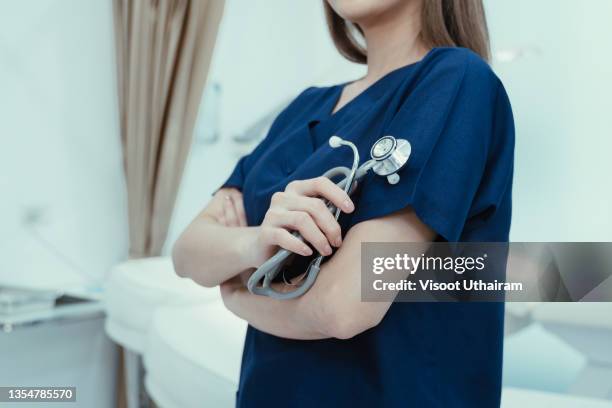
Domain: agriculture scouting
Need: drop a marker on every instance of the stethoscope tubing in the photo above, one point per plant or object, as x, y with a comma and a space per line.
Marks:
268, 271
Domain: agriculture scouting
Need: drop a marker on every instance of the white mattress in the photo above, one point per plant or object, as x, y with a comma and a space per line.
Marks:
193, 356
137, 287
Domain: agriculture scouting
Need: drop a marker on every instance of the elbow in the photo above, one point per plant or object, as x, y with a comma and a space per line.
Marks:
342, 328
178, 261
343, 319
347, 325
184, 266
180, 258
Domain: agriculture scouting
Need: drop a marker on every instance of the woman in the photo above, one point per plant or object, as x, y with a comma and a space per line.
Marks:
426, 82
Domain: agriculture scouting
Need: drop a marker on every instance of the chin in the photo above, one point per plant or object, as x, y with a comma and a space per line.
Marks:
358, 11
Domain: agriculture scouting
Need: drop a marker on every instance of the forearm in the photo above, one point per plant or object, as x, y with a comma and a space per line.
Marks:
210, 253
333, 306
292, 319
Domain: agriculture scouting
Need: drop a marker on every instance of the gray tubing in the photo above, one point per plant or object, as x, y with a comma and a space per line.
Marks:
272, 267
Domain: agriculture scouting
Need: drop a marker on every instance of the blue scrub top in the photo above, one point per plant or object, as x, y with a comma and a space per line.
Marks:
455, 112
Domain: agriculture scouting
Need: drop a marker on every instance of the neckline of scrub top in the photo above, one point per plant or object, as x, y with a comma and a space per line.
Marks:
366, 96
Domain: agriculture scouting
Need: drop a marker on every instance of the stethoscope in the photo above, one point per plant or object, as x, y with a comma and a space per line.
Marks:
388, 156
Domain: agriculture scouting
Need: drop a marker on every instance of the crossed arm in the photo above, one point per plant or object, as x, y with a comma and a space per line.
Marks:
217, 248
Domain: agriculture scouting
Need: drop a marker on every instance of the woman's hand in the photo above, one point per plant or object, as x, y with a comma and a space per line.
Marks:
301, 208
232, 213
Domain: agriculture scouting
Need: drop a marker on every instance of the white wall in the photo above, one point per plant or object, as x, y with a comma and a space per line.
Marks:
561, 101
267, 52
60, 154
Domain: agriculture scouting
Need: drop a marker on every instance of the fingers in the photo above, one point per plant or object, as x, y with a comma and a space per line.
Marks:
238, 202
301, 208
284, 239
230, 217
317, 210
303, 223
325, 188
233, 214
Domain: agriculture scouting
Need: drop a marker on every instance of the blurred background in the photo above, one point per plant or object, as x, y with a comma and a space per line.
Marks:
65, 211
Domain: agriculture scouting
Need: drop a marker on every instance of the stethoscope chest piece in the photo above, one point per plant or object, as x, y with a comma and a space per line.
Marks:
390, 155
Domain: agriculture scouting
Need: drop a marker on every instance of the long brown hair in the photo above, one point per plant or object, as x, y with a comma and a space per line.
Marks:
444, 23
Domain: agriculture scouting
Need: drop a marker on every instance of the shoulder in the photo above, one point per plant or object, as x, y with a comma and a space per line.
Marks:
458, 57
460, 90
462, 77
460, 66
479, 95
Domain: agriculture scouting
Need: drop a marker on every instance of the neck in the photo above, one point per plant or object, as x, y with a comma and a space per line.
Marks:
393, 40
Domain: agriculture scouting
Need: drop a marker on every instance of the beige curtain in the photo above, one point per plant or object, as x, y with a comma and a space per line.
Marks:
164, 48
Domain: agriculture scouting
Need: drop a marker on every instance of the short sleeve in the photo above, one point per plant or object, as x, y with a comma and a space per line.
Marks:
236, 179
459, 123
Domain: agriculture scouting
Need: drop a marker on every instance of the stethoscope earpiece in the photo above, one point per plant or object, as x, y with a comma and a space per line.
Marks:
335, 141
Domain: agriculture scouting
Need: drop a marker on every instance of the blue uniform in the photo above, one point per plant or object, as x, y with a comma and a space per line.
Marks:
455, 113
